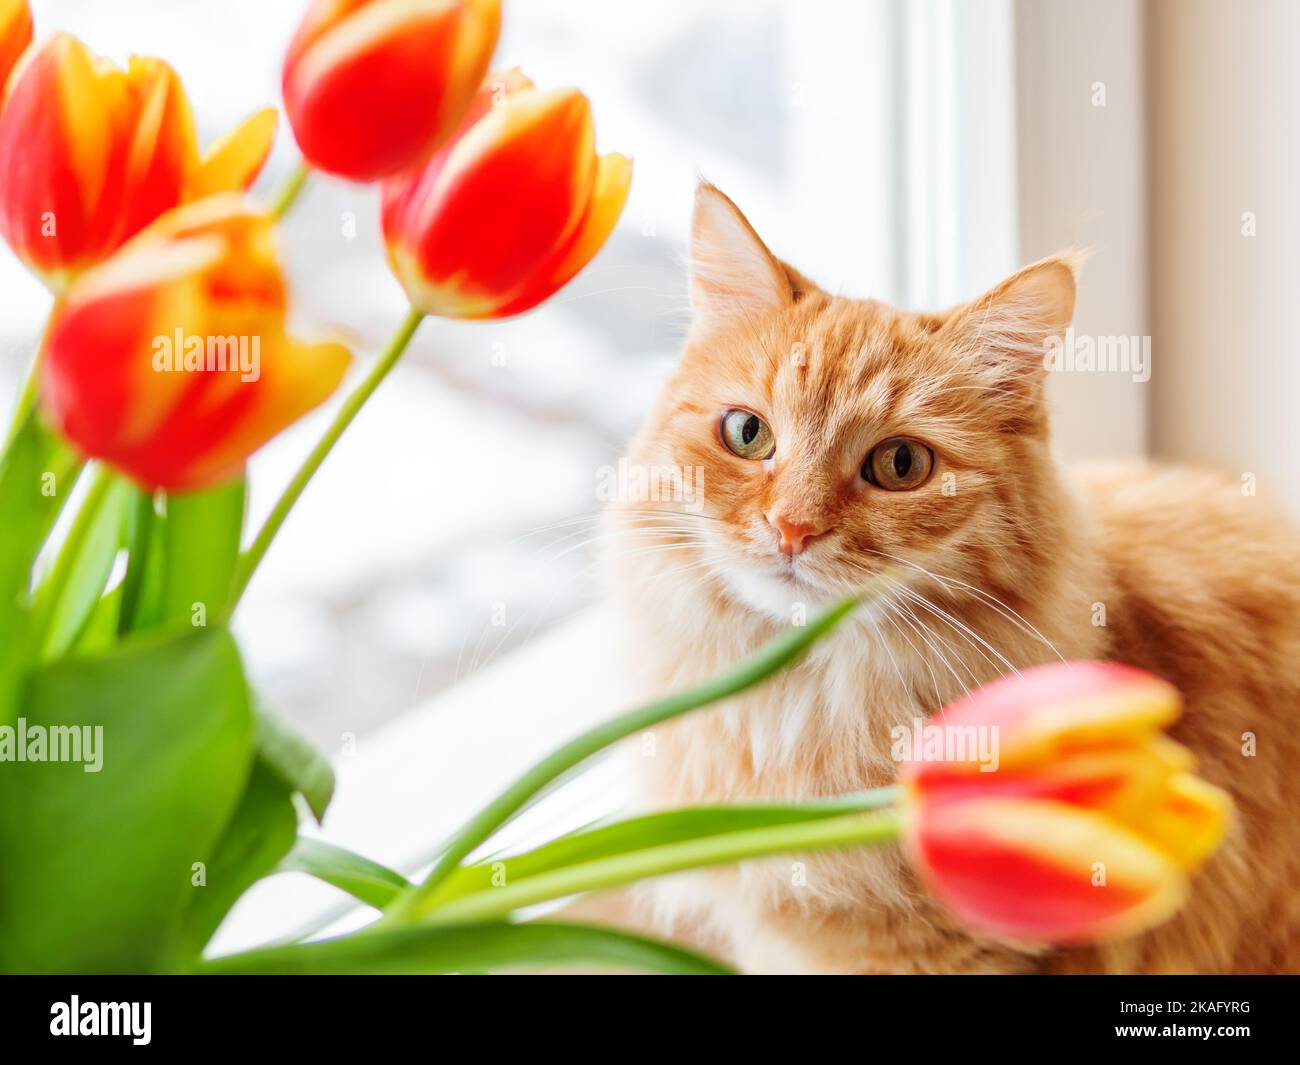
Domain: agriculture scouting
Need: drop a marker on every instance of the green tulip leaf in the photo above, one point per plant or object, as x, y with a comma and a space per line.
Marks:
374, 884
648, 831
475, 948
99, 633
259, 835
626, 866
37, 474
97, 866
293, 758
82, 566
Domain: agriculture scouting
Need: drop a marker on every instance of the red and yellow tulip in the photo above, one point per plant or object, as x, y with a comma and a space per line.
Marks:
170, 360
510, 210
372, 87
15, 36
91, 154
1091, 822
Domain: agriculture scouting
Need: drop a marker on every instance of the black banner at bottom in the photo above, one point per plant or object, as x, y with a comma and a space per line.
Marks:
303, 1014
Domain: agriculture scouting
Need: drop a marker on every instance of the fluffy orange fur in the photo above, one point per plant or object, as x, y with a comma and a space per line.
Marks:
1000, 559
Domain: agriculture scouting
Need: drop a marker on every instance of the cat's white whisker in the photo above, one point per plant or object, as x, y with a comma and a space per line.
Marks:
496, 648
976, 640
1011, 615
705, 563
874, 619
684, 517
585, 519
478, 645
929, 636
900, 615
610, 536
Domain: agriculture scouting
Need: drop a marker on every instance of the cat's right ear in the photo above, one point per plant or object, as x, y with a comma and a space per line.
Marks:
1007, 333
733, 275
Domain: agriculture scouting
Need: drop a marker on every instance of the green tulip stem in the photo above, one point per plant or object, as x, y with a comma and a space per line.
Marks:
352, 405
290, 189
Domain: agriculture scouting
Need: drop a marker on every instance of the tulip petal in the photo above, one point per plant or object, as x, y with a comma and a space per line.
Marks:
492, 93
170, 360
92, 154
319, 17
1189, 822
162, 150
250, 273
466, 236
378, 88
84, 115
1041, 871
1050, 711
613, 182
123, 307
233, 161
1115, 777
400, 192
57, 149
15, 36
297, 378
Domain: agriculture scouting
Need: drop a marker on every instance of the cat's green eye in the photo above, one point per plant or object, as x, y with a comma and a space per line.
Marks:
747, 435
898, 464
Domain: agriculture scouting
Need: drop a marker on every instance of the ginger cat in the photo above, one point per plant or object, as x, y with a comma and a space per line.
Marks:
837, 436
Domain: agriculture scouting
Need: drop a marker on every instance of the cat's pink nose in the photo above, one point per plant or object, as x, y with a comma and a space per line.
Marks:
795, 535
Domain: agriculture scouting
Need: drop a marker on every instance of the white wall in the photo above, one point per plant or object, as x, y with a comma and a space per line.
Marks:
1082, 184
1225, 140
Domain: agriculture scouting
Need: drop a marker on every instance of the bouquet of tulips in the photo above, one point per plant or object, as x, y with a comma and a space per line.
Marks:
143, 785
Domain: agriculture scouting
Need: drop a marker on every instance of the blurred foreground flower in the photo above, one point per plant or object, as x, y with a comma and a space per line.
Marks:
1090, 824
91, 154
511, 210
373, 86
15, 35
170, 360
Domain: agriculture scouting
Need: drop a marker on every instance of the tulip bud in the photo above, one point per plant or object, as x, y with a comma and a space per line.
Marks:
91, 154
170, 360
15, 36
510, 210
374, 86
1089, 825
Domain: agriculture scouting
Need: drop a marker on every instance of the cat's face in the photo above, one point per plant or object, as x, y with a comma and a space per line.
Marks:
827, 437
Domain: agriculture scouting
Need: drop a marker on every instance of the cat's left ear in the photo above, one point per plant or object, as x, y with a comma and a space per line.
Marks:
1011, 328
733, 275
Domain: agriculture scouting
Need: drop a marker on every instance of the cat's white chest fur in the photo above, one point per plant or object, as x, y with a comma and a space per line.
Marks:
820, 727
